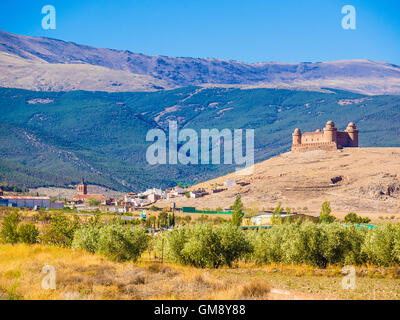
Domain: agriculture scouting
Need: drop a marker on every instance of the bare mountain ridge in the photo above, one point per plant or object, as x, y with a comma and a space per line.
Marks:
39, 63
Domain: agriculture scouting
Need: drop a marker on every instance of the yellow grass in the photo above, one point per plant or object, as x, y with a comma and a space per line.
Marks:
80, 275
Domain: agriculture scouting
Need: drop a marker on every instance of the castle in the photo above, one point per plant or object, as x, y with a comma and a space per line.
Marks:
328, 139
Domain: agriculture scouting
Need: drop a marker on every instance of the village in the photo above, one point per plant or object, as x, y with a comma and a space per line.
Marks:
136, 206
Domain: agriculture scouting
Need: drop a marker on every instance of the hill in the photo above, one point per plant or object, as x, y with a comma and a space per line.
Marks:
56, 138
361, 180
38, 63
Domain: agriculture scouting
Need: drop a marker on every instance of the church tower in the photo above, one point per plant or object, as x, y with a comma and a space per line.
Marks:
82, 188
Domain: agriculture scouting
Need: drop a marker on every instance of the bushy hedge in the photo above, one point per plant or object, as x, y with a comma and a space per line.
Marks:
61, 230
114, 241
322, 244
382, 246
207, 246
87, 238
12, 231
204, 245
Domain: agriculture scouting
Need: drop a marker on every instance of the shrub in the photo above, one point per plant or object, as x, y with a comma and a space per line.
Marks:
122, 244
61, 231
171, 245
354, 218
204, 246
303, 243
234, 243
86, 238
309, 243
9, 232
382, 244
43, 216
343, 244
28, 233
267, 245
254, 290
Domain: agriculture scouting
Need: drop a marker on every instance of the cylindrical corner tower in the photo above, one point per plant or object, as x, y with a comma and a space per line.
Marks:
352, 134
296, 136
330, 132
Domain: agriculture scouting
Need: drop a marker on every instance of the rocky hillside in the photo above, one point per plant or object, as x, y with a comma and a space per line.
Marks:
47, 64
361, 180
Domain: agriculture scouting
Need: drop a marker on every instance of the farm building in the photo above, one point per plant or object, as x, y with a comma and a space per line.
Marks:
57, 205
266, 218
25, 201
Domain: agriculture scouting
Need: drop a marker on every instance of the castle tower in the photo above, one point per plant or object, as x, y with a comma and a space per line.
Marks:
82, 188
352, 132
330, 132
296, 136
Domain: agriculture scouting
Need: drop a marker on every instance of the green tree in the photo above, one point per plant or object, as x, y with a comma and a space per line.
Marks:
28, 233
276, 214
122, 244
171, 218
163, 219
237, 213
9, 228
61, 231
325, 214
204, 246
354, 218
86, 238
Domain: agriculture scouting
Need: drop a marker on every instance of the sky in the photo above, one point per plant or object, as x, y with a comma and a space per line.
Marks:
247, 30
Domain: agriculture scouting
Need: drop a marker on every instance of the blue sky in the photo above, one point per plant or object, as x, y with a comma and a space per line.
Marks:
250, 31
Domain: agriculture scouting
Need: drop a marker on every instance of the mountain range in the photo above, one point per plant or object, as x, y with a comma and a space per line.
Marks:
70, 111
57, 138
37, 63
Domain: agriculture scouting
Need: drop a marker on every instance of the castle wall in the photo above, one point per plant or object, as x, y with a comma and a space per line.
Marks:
329, 139
353, 139
327, 146
343, 139
312, 137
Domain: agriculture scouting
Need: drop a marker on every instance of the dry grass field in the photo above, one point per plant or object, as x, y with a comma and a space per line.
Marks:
80, 275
